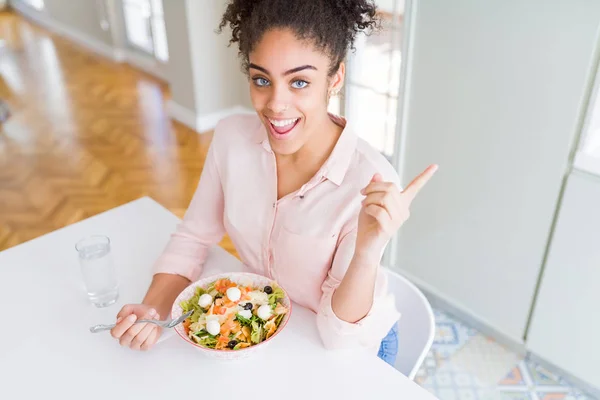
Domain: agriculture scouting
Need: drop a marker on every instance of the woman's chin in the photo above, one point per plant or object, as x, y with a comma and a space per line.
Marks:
284, 149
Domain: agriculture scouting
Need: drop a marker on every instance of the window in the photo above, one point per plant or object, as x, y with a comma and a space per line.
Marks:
37, 4
591, 140
588, 156
373, 81
145, 27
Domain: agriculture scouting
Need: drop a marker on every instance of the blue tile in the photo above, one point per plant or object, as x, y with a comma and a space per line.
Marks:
452, 376
576, 394
450, 336
531, 379
451, 382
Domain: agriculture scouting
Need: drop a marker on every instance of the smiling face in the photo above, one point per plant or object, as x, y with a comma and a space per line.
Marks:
289, 86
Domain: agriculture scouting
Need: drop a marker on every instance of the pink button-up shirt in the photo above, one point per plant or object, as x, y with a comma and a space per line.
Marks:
305, 241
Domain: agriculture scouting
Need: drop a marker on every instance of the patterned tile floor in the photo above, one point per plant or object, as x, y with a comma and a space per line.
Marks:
463, 364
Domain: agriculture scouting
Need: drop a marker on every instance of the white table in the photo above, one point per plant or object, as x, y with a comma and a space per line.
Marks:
47, 351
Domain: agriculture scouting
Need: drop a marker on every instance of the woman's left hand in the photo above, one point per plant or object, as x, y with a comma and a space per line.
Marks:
384, 210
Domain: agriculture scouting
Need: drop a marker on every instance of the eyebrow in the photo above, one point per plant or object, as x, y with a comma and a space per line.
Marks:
288, 72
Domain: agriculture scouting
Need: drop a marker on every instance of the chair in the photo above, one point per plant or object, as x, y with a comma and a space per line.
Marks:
416, 328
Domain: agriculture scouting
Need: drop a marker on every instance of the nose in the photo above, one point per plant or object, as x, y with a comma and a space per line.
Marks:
277, 108
279, 101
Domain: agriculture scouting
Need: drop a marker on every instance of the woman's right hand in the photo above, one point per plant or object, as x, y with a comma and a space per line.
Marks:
136, 336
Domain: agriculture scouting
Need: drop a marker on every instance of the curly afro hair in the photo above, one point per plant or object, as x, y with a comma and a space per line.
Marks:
331, 25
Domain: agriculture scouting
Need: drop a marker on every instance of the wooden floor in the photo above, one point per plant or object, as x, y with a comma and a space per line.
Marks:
85, 135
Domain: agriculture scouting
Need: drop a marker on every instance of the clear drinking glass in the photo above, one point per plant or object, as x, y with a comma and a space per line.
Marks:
98, 270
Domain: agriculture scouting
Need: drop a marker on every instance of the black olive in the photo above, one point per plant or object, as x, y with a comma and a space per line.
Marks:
248, 306
218, 296
268, 289
232, 344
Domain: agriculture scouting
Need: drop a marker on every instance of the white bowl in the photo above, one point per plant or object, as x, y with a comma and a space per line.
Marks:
241, 278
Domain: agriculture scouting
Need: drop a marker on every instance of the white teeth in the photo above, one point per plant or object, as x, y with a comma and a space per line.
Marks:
282, 123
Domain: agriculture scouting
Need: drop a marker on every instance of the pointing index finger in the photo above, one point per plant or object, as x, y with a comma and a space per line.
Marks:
419, 182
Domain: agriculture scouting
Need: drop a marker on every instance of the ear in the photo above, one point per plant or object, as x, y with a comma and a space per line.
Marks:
336, 82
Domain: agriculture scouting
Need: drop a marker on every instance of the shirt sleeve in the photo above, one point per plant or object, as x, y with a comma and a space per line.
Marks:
202, 225
370, 330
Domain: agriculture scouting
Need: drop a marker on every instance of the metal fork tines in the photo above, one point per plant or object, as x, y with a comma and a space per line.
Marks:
165, 324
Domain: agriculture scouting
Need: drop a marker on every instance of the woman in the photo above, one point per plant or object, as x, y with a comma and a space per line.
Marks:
303, 199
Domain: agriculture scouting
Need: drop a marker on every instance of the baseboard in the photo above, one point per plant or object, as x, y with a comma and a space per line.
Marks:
92, 44
181, 114
441, 302
145, 63
584, 386
120, 55
208, 122
201, 123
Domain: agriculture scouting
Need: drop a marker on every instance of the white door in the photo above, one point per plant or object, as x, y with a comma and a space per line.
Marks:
479, 106
565, 324
145, 27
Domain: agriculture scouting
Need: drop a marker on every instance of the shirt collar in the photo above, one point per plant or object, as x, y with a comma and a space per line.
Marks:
336, 166
339, 160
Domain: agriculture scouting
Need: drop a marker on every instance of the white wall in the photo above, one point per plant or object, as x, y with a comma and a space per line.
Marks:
205, 76
79, 22
82, 16
180, 68
219, 82
494, 94
566, 321
203, 73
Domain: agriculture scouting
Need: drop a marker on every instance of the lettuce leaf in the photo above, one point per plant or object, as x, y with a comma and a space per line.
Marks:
243, 321
257, 332
192, 303
276, 296
278, 319
210, 289
204, 338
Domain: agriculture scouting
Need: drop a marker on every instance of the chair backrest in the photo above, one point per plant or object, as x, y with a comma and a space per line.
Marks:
417, 324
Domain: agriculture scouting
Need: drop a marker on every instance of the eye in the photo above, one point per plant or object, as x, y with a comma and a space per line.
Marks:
299, 84
261, 82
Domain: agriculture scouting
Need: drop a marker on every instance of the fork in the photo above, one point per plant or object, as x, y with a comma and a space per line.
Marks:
170, 323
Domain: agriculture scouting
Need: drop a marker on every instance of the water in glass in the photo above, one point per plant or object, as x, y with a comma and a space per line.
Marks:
98, 271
